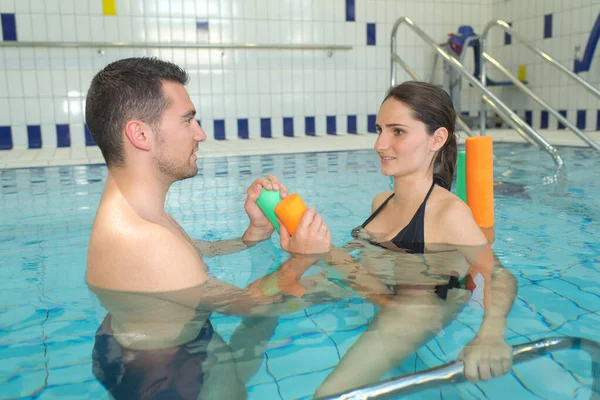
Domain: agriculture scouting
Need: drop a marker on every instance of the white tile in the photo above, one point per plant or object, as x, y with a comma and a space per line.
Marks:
19, 134
111, 30
45, 153
241, 106
152, 31
46, 110
189, 27
176, 8
77, 136
277, 127
24, 27
218, 105
68, 27
299, 126
5, 119
361, 123
129, 7
309, 106
82, 7
61, 110
254, 105
253, 127
82, 25
17, 111
75, 110
29, 82
265, 105
298, 102
22, 7
320, 125
230, 128
8, 6
287, 105
342, 124
33, 111
163, 9
53, 27
177, 30
230, 106
276, 107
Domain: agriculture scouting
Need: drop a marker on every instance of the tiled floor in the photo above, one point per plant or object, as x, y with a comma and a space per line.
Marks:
81, 155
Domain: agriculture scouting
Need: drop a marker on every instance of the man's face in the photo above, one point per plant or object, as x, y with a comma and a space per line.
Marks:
178, 135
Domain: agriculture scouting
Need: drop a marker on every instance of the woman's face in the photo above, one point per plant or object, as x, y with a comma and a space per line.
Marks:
403, 145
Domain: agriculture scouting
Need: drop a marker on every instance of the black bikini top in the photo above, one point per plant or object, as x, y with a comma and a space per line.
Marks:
412, 236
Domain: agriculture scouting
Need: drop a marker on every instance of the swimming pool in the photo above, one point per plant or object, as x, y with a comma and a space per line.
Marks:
546, 235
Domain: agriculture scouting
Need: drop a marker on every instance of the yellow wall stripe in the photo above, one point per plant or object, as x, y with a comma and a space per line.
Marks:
109, 7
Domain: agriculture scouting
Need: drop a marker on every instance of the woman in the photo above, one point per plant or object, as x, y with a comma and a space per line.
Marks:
419, 249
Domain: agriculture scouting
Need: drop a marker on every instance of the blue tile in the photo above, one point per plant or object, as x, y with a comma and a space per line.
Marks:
6, 138
371, 119
302, 386
544, 120
331, 125
598, 120
219, 129
350, 10
263, 391
9, 27
288, 127
581, 114
34, 136
575, 291
243, 129
547, 26
564, 114
202, 25
371, 39
63, 136
309, 126
89, 140
352, 124
529, 117
507, 37
265, 127
199, 123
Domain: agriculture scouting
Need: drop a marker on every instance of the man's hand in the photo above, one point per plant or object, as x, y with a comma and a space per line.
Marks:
260, 227
485, 357
312, 237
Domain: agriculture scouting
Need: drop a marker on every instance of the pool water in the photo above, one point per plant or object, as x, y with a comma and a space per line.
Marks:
547, 235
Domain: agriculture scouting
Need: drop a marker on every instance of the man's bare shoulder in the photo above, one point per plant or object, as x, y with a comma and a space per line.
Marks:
129, 253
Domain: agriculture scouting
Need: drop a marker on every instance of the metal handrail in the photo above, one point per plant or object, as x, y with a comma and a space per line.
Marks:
505, 117
453, 372
507, 28
541, 102
174, 45
513, 118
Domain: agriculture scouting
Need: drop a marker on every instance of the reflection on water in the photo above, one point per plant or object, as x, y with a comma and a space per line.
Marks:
163, 345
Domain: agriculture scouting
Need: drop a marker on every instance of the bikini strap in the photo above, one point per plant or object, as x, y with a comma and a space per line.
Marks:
377, 211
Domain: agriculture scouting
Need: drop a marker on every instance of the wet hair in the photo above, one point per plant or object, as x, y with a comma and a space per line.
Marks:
127, 89
432, 106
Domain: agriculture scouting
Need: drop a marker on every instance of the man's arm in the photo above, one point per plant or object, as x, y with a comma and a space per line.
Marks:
251, 238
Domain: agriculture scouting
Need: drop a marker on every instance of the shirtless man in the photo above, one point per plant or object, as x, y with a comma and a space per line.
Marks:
156, 340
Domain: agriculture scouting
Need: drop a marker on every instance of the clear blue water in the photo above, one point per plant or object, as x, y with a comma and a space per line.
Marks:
547, 235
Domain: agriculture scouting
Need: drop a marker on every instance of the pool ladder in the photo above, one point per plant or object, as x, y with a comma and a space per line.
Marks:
453, 371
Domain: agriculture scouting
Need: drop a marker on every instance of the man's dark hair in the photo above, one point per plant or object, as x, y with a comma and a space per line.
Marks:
127, 89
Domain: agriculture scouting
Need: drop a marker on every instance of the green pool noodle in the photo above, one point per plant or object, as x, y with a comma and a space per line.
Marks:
267, 201
461, 176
